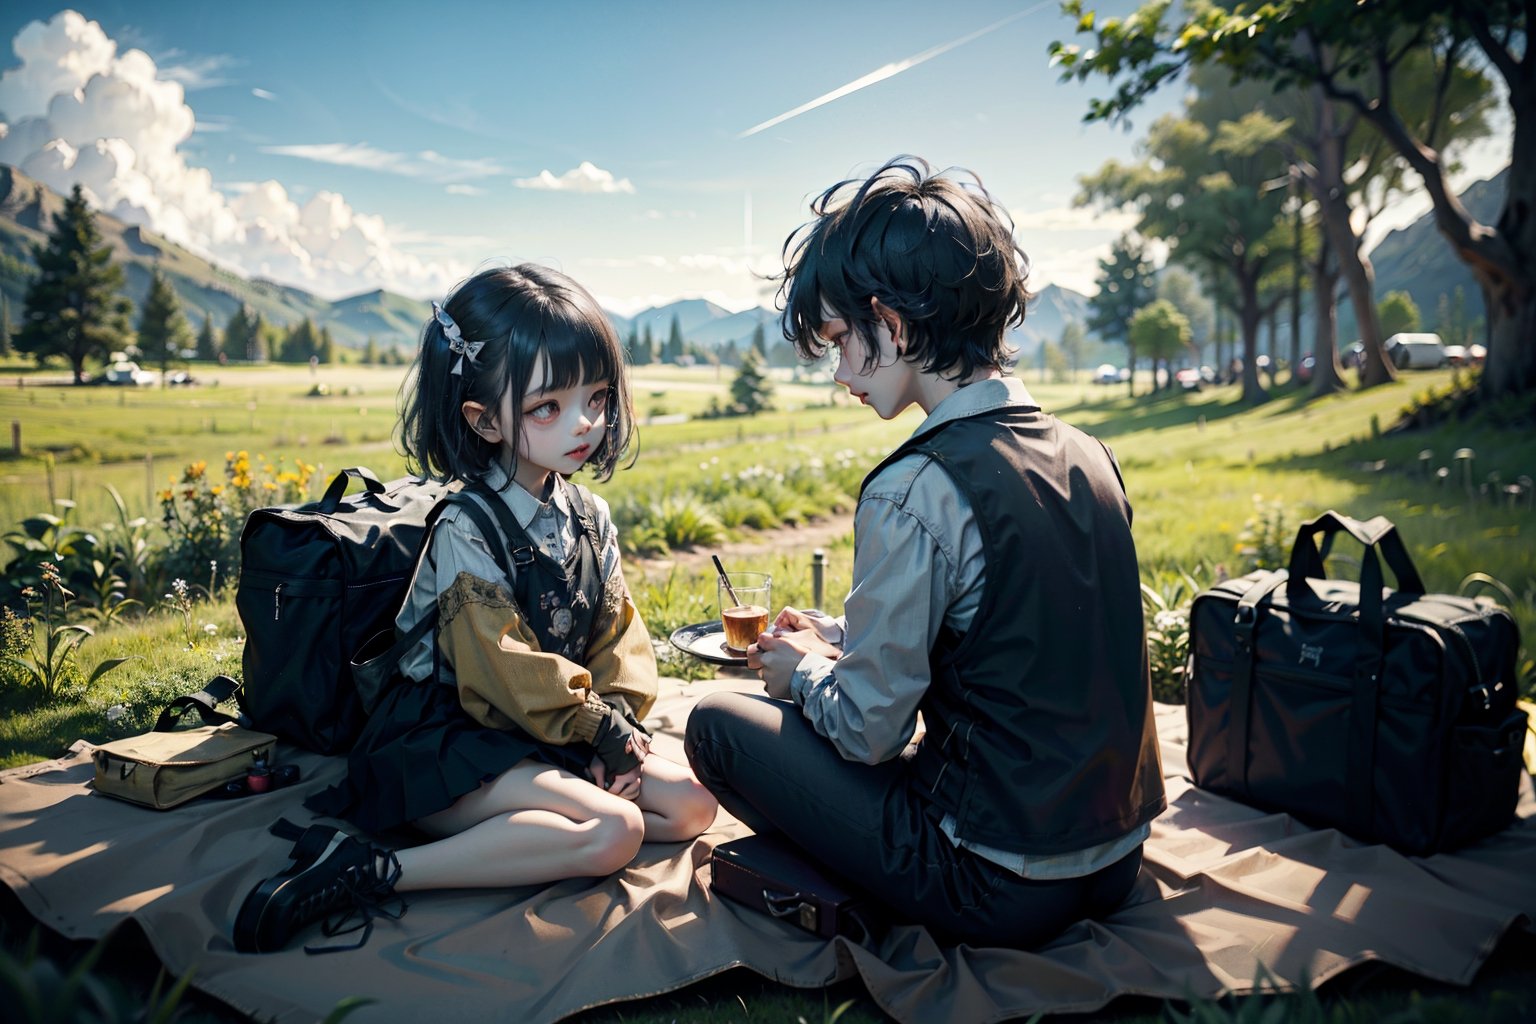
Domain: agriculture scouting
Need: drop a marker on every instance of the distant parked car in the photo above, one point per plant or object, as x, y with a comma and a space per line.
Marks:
1353, 355
126, 373
1308, 365
1189, 378
1107, 374
1416, 351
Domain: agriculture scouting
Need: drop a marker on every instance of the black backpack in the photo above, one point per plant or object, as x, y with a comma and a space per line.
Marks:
316, 582
320, 586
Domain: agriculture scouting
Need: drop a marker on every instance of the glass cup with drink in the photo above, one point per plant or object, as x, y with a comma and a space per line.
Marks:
745, 598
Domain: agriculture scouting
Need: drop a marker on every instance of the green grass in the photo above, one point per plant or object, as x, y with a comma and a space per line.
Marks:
1201, 470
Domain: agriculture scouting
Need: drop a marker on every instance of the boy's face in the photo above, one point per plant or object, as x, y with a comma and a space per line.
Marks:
890, 385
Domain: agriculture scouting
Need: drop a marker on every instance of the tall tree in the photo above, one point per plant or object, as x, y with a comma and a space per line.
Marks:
1160, 332
647, 347
6, 328
673, 353
1181, 288
1351, 50
1201, 186
1074, 342
751, 391
760, 342
208, 340
163, 331
1125, 285
74, 307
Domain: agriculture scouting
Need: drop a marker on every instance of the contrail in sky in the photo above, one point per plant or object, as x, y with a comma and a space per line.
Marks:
880, 74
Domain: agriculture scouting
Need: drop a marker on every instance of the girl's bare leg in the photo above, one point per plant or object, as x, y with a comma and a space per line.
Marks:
676, 805
533, 823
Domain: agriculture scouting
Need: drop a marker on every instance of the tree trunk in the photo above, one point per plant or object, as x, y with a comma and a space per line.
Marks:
1296, 261
1327, 374
1333, 198
1130, 366
1250, 315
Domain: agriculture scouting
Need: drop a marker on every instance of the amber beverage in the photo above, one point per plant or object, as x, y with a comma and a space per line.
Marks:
742, 625
744, 608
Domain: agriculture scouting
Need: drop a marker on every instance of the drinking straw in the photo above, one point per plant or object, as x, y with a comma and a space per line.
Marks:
727, 581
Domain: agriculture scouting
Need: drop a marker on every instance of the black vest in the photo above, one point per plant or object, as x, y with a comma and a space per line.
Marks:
1040, 737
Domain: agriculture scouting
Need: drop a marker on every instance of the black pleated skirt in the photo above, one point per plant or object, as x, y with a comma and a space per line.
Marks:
419, 752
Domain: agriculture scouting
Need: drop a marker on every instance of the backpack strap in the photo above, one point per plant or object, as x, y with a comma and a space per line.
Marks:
205, 703
372, 674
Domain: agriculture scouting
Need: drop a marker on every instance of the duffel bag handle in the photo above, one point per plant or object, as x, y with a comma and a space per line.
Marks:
338, 487
1375, 534
205, 703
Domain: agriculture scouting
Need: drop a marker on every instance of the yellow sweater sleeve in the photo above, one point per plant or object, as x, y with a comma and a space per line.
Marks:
503, 677
621, 659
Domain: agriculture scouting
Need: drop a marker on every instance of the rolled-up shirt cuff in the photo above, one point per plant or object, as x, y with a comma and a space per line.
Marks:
833, 630
814, 670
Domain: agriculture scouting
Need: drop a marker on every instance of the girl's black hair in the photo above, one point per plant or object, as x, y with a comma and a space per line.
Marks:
936, 249
518, 312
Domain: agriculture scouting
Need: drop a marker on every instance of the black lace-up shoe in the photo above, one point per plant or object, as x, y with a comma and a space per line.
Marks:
336, 879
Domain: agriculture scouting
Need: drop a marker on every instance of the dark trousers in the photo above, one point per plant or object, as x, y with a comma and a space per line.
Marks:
771, 770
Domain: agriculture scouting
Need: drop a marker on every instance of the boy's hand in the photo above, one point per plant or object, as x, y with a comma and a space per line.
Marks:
793, 620
626, 785
777, 655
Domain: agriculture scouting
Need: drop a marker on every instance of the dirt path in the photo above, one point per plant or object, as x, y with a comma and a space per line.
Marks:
819, 534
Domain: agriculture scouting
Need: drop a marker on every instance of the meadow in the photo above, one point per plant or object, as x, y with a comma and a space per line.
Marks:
1217, 488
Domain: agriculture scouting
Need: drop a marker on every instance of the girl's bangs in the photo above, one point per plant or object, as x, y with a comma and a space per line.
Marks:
576, 352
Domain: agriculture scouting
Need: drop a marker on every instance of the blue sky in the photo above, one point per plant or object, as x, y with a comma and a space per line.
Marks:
343, 146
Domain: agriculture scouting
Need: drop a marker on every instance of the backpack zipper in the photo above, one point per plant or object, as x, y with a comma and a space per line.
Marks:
277, 602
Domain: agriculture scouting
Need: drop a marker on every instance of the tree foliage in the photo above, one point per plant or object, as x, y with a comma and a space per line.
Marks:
1351, 50
1160, 332
1125, 285
75, 308
751, 391
163, 331
1398, 313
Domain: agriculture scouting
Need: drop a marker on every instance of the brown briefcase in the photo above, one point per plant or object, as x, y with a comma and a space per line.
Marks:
770, 875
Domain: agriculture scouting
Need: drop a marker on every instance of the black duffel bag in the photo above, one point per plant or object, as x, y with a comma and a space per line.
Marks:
317, 581
1389, 715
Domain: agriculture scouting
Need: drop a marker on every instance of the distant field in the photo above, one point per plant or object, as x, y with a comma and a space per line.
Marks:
1198, 466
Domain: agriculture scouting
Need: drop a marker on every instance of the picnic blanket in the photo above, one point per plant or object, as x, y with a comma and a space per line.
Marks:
1227, 893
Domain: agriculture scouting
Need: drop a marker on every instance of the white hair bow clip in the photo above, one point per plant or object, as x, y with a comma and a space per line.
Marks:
456, 342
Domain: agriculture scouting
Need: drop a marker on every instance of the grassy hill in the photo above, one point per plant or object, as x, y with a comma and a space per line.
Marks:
27, 208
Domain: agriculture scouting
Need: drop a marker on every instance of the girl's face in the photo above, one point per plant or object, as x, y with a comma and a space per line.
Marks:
560, 429
889, 386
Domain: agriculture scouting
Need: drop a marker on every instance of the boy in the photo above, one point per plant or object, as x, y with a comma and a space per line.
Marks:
995, 590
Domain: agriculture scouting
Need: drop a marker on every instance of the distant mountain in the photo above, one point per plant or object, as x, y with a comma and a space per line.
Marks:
27, 208
691, 315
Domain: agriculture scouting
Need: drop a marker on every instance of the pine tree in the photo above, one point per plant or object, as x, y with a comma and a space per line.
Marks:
240, 334
371, 352
208, 340
5, 327
750, 391
673, 353
325, 347
632, 345
163, 331
648, 346
74, 307
760, 342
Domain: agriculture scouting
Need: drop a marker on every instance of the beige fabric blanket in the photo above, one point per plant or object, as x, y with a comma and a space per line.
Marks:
1225, 890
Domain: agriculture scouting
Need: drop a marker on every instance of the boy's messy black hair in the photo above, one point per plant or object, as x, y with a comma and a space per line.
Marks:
934, 247
518, 312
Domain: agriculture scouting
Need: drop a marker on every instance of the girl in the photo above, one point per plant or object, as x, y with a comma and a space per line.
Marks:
512, 736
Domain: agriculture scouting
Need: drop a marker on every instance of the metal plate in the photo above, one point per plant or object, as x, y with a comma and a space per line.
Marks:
706, 641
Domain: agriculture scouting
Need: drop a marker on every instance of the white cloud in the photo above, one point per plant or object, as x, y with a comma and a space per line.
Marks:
195, 72
425, 165
263, 94
78, 112
586, 177
464, 190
